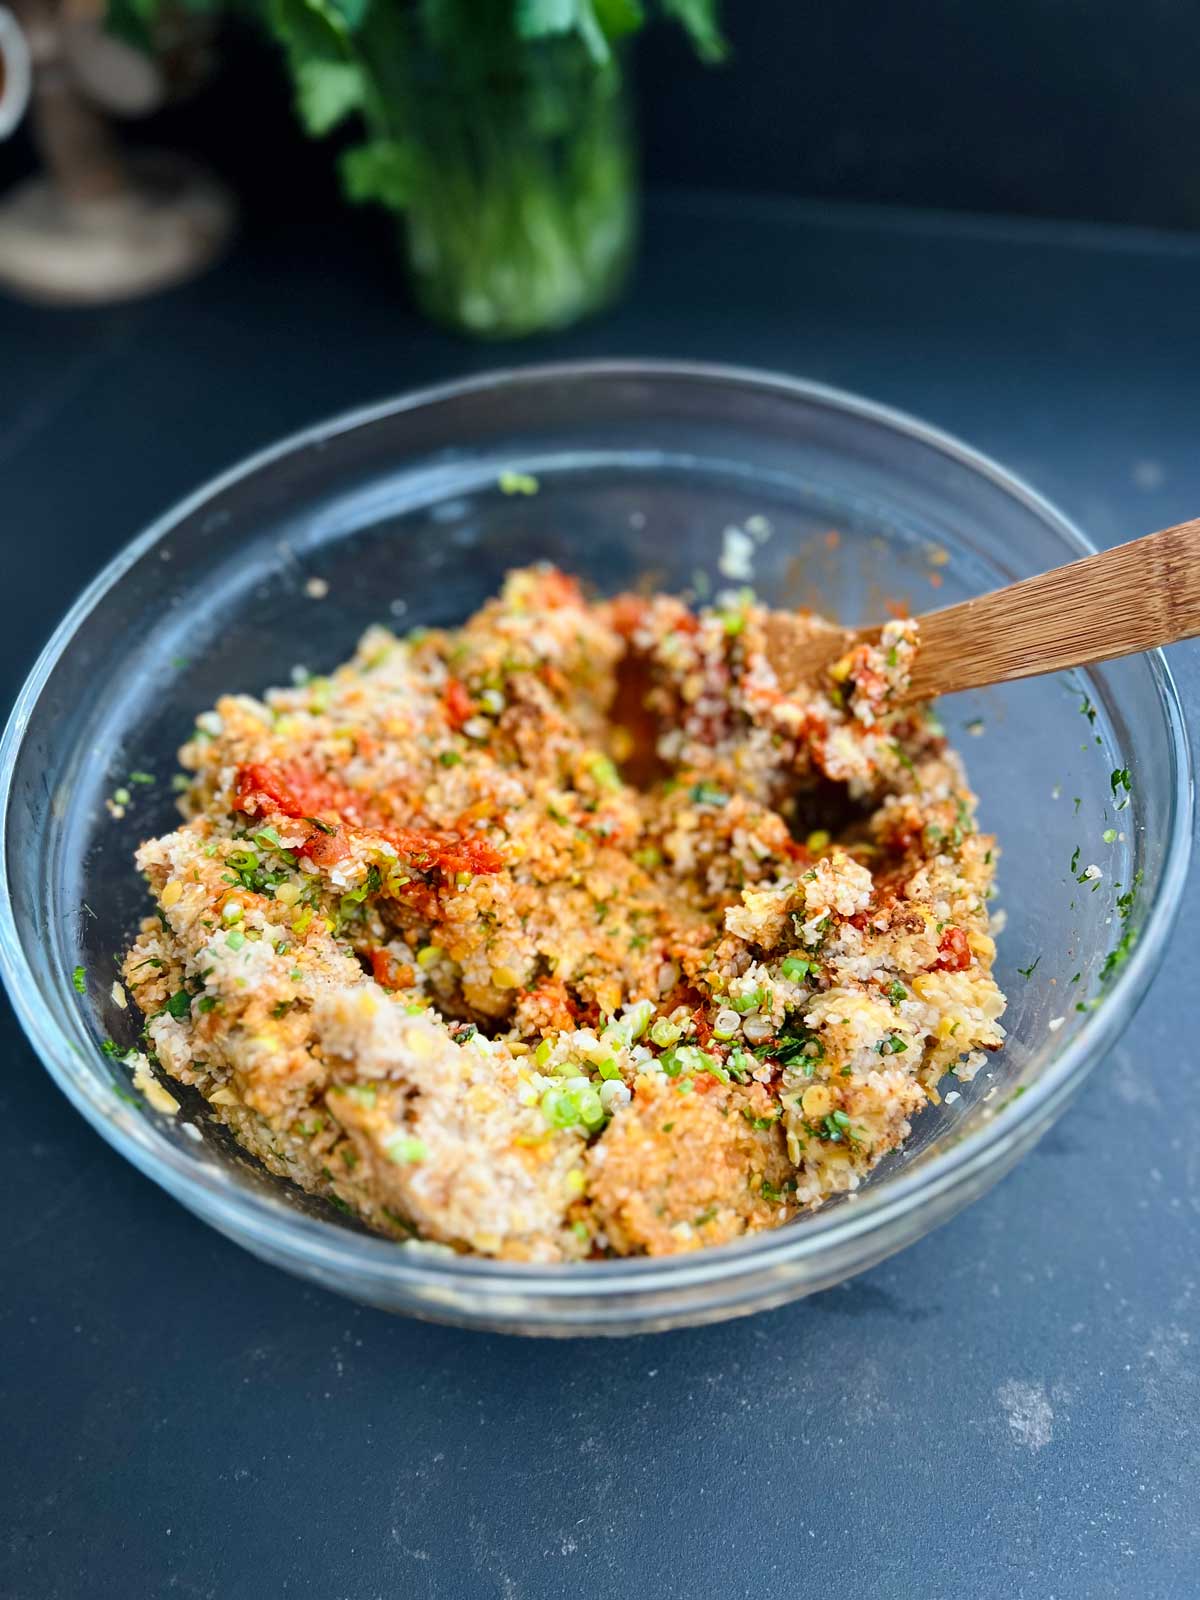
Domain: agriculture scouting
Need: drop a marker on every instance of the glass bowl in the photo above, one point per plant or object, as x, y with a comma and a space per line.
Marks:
642, 467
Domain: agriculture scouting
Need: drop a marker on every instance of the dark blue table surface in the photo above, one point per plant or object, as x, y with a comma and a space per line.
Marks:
1010, 1408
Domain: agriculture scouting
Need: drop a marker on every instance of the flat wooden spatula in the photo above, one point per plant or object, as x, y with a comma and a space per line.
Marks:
1140, 595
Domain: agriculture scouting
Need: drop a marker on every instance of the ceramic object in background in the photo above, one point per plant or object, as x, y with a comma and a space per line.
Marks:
99, 225
16, 72
642, 468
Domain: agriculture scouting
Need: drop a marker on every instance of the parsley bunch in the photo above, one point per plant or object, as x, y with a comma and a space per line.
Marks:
367, 59
361, 59
496, 127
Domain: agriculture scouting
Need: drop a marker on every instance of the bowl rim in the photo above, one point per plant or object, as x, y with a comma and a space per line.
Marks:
325, 1248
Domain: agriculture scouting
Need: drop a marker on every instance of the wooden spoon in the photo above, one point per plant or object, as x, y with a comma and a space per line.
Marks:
1140, 595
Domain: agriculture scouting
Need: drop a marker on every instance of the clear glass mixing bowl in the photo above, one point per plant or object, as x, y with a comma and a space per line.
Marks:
641, 468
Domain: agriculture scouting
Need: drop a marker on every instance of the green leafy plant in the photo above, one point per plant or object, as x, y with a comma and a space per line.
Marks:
496, 127
366, 58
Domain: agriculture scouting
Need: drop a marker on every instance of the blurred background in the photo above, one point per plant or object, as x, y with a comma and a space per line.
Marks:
1060, 108
1071, 109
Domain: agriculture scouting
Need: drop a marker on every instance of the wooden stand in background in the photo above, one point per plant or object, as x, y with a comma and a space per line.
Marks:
100, 225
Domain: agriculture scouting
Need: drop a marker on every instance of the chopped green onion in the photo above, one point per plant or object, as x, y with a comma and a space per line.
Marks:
726, 1023
518, 483
405, 1151
590, 1106
603, 772
689, 1058
707, 794
671, 1063
638, 1017
559, 1109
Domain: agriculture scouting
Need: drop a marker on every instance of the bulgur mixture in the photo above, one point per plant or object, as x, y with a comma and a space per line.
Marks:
429, 952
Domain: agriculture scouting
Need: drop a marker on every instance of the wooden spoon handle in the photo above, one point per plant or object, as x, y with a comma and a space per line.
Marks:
1135, 597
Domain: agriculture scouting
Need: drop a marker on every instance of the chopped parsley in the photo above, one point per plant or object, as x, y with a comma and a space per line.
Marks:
1121, 784
760, 1124
79, 979
1028, 972
1125, 901
793, 1047
1118, 955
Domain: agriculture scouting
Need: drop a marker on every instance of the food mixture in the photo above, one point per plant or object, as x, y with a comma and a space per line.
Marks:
430, 951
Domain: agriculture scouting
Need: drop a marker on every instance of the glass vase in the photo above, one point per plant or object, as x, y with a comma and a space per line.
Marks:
522, 207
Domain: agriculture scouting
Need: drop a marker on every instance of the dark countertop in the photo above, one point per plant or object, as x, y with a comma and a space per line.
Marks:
1010, 1408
